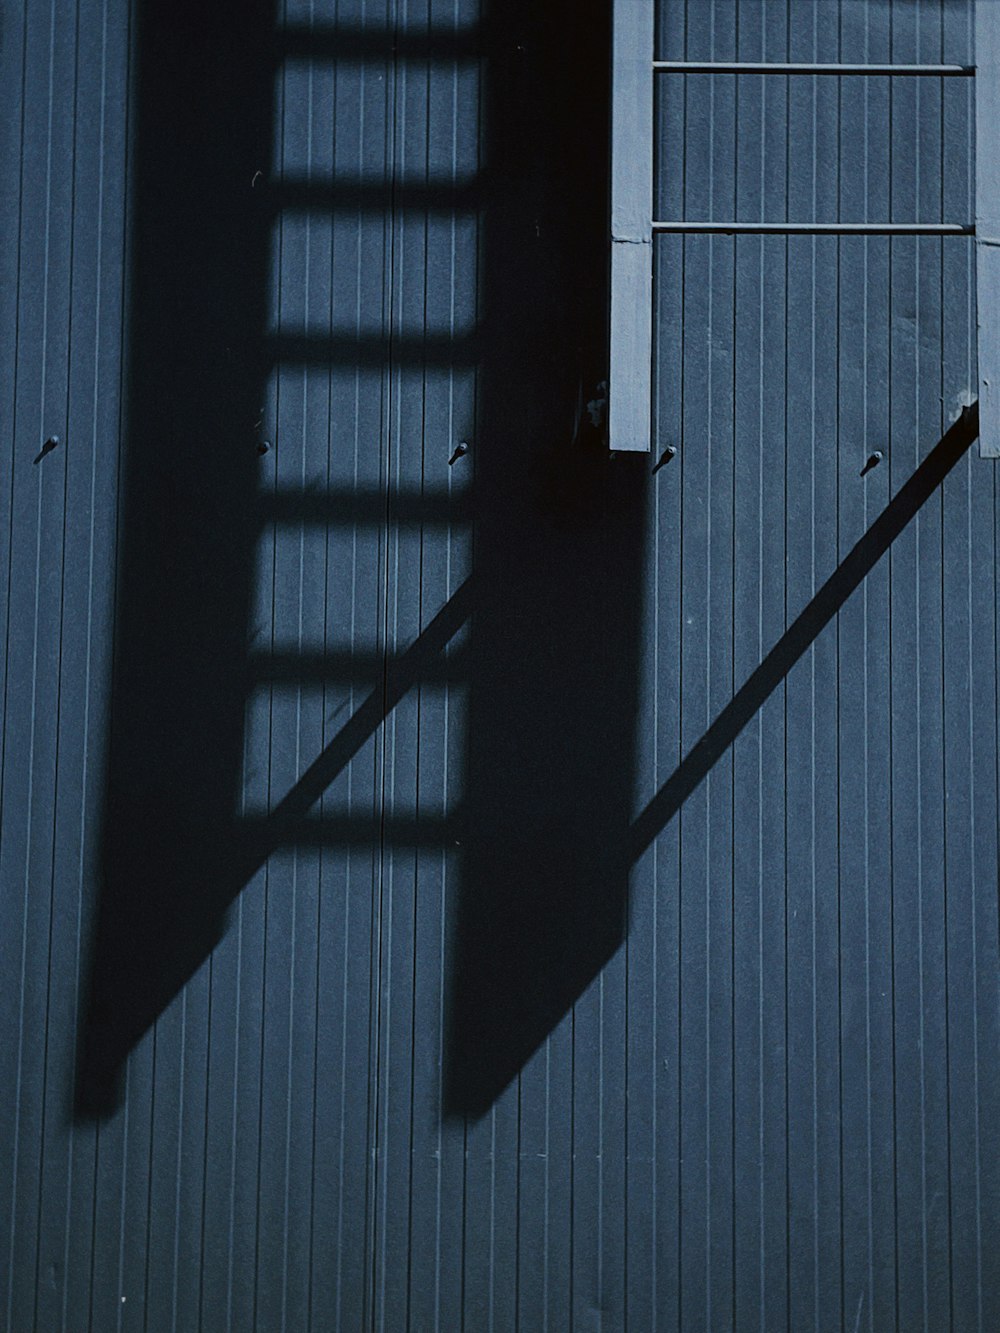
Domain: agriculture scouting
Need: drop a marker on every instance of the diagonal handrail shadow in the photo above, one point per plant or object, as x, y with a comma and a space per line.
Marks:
803, 632
111, 1031
401, 675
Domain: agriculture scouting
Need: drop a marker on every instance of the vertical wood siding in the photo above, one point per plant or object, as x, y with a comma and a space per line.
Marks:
818, 947
64, 166
770, 1107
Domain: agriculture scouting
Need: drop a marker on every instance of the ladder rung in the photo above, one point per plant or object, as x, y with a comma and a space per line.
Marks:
769, 67
817, 228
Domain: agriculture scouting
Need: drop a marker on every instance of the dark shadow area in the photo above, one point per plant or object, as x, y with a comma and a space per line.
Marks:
557, 590
558, 544
804, 630
198, 265
558, 566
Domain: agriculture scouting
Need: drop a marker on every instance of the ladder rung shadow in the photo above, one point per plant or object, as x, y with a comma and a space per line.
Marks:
365, 508
270, 833
437, 195
346, 668
350, 43
416, 350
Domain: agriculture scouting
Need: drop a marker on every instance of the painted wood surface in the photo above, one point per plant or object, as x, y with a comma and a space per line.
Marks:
517, 887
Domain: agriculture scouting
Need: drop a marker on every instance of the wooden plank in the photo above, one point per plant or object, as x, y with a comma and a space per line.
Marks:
630, 377
988, 225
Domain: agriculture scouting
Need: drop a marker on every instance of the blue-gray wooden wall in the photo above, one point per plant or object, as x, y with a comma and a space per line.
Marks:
336, 992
